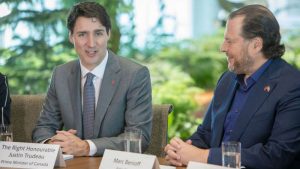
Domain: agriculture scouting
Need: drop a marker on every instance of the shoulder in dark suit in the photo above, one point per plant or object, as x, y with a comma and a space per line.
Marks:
268, 126
4, 100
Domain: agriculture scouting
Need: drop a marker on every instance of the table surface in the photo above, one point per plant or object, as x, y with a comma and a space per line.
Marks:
94, 163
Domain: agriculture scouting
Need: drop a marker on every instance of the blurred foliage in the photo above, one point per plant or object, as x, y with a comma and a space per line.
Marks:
179, 72
158, 38
201, 59
292, 41
171, 85
29, 63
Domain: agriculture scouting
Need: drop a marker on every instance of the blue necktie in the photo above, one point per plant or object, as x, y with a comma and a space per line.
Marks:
88, 106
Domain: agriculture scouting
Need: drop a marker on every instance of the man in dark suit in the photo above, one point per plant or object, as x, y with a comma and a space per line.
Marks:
256, 103
121, 91
4, 100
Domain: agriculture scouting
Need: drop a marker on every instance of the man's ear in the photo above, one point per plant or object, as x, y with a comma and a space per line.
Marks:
108, 34
257, 44
71, 38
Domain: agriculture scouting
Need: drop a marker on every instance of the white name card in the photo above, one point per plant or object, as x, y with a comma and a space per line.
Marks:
197, 165
113, 159
30, 155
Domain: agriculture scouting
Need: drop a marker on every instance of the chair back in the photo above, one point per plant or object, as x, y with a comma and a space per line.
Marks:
159, 135
25, 110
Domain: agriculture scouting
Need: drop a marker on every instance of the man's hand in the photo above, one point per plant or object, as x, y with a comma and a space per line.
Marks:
180, 153
170, 150
70, 143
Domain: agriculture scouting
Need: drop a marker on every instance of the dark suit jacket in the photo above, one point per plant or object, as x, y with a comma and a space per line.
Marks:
4, 100
124, 101
269, 124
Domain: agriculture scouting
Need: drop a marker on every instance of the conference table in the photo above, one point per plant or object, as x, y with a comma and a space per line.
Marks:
94, 163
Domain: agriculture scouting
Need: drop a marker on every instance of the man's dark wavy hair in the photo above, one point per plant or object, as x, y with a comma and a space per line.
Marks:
260, 22
88, 10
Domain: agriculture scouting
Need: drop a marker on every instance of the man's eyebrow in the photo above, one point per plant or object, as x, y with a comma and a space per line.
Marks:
99, 30
81, 32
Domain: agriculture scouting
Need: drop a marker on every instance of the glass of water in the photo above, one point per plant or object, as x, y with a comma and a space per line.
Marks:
6, 133
133, 140
231, 154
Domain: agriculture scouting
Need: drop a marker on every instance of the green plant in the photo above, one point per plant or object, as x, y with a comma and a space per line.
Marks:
201, 59
173, 86
292, 54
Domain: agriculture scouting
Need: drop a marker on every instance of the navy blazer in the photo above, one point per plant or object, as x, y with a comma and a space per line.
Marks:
269, 123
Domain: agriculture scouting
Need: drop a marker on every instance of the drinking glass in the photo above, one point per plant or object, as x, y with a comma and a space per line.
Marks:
133, 140
231, 154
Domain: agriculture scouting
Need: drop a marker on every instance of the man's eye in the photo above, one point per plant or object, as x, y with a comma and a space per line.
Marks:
99, 33
228, 41
81, 34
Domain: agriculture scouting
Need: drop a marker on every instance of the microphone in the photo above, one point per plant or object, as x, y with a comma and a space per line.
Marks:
5, 101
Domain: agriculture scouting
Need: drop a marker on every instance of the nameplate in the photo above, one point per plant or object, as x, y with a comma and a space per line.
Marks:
113, 159
196, 165
30, 155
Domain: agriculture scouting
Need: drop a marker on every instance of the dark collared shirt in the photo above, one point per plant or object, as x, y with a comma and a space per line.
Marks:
241, 95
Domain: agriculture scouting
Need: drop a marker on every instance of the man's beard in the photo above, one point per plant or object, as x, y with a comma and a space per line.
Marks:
242, 66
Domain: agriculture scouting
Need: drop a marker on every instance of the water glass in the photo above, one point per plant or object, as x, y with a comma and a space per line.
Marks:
6, 133
133, 140
231, 154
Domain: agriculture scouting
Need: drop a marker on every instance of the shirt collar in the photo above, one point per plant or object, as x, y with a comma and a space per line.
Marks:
98, 71
254, 77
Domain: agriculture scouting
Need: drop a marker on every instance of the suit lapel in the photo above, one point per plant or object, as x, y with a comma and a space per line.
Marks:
221, 112
74, 82
260, 92
110, 82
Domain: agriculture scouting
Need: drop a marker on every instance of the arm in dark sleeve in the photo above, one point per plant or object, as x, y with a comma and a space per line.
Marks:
5, 100
283, 145
201, 138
